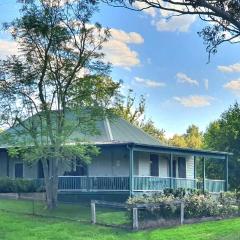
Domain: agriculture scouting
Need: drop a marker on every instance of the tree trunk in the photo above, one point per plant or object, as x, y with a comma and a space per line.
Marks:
50, 169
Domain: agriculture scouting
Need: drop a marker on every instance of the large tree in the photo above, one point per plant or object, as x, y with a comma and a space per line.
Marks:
55, 86
224, 135
223, 16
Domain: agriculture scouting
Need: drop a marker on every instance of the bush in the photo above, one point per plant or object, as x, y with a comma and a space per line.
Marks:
8, 185
197, 205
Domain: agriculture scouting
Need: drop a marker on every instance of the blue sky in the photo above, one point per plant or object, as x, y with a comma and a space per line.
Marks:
165, 61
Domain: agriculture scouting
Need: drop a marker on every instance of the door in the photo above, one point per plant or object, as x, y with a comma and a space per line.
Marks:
181, 167
18, 170
154, 165
40, 172
174, 174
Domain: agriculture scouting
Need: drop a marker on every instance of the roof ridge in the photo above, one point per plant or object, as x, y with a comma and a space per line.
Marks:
108, 129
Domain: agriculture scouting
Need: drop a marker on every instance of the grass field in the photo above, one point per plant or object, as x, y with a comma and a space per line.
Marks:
80, 212
22, 227
16, 226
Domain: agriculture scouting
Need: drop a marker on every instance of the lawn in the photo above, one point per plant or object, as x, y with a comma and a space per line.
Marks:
16, 226
71, 211
21, 227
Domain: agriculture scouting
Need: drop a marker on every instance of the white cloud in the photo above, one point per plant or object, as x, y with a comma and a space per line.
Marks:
122, 36
149, 83
195, 101
230, 68
206, 84
174, 24
7, 48
118, 51
141, 5
183, 78
165, 20
233, 86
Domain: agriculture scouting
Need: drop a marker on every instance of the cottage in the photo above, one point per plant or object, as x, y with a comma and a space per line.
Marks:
131, 162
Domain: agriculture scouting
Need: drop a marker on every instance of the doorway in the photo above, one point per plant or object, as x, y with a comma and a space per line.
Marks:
154, 165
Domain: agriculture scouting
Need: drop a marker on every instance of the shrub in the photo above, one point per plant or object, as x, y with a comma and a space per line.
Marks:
197, 205
8, 185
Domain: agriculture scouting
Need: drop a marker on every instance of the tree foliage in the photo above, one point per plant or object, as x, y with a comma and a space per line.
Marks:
224, 135
193, 138
58, 84
135, 112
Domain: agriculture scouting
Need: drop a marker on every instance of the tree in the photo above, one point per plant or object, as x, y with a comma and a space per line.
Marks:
193, 138
149, 127
58, 84
134, 112
127, 108
224, 135
223, 16
178, 141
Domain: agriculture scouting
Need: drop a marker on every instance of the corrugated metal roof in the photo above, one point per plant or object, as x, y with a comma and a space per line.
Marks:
118, 130
113, 130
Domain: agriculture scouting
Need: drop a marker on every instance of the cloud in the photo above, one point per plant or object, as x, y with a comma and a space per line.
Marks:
122, 36
206, 84
233, 86
118, 51
165, 20
149, 11
7, 48
149, 83
183, 78
230, 68
174, 24
195, 101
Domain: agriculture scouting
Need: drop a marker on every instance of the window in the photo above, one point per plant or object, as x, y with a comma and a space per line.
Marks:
18, 170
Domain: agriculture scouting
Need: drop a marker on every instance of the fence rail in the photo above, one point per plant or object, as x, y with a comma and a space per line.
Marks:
214, 186
141, 183
90, 183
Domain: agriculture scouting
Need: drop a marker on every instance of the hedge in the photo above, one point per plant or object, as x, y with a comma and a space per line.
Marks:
8, 185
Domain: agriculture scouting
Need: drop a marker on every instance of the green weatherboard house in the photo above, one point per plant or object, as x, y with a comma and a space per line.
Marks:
131, 162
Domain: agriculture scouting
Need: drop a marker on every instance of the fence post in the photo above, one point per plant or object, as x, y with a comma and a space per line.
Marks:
182, 213
33, 207
93, 211
135, 219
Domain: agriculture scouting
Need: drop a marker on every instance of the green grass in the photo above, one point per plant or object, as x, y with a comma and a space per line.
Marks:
75, 211
16, 226
21, 227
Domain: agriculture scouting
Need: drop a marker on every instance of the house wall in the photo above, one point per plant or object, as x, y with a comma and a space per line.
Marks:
190, 167
164, 165
111, 162
143, 160
144, 164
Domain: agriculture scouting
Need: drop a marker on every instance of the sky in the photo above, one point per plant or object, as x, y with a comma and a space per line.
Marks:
166, 61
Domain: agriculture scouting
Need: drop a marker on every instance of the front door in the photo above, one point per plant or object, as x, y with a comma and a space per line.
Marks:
154, 165
18, 170
182, 167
